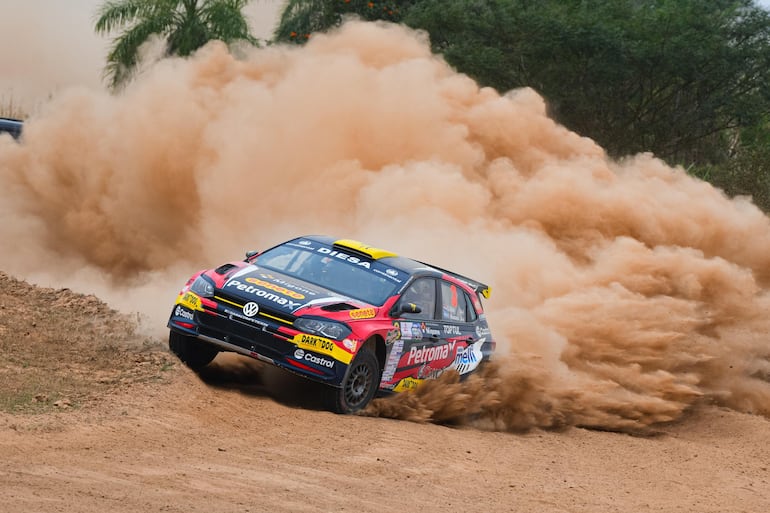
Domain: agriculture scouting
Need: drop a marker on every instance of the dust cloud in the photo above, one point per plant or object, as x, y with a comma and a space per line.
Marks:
624, 292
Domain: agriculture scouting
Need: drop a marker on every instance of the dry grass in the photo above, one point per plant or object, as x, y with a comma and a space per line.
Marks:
10, 108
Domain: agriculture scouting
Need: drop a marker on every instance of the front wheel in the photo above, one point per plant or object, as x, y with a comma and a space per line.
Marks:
359, 386
194, 353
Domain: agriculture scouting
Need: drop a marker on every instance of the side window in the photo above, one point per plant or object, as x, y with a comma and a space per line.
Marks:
454, 303
470, 312
422, 293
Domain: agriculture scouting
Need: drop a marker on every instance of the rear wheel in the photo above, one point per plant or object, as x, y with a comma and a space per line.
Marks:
359, 386
194, 353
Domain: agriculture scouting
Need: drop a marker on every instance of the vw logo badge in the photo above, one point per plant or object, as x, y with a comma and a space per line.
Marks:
250, 309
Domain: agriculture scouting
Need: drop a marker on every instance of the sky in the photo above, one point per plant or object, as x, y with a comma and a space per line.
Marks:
68, 52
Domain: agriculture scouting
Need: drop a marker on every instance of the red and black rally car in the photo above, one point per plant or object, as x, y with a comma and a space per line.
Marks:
355, 318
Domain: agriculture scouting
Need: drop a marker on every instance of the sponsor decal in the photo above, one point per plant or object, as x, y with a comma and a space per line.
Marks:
269, 296
250, 309
392, 363
410, 330
190, 300
313, 342
427, 354
344, 256
239, 315
451, 329
387, 275
322, 345
305, 243
288, 285
482, 331
393, 335
352, 345
299, 354
428, 372
468, 358
430, 330
362, 313
276, 288
391, 272
183, 313
407, 384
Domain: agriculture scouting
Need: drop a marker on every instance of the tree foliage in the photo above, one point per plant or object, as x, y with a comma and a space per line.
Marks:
186, 25
675, 77
684, 79
301, 18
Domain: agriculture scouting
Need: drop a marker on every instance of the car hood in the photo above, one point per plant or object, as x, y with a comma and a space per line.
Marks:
284, 293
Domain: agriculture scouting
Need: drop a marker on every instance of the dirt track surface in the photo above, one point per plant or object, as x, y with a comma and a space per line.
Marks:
135, 431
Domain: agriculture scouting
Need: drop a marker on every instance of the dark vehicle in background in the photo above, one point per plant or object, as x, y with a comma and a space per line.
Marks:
356, 319
11, 126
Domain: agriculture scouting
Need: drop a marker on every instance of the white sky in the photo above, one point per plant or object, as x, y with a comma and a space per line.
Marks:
49, 45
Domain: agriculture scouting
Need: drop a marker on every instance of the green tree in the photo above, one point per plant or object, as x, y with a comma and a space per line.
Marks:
747, 172
675, 77
186, 25
684, 79
301, 18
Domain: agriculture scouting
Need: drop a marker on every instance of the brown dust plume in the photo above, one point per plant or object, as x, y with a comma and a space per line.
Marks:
624, 293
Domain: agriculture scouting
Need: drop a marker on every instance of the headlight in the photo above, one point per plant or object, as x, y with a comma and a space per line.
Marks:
328, 329
202, 287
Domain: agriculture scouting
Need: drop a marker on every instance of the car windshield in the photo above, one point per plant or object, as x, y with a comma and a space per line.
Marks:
365, 280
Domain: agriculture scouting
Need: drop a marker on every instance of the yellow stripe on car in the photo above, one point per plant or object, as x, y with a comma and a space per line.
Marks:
223, 300
263, 314
322, 345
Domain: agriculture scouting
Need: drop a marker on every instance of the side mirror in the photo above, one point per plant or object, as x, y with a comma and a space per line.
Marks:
250, 255
403, 308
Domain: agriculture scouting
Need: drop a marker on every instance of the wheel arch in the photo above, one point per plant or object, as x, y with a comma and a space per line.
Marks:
377, 344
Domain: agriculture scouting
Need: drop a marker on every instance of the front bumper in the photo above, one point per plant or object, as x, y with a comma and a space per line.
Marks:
269, 337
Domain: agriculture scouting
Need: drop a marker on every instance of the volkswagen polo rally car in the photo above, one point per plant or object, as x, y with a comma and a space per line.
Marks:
354, 318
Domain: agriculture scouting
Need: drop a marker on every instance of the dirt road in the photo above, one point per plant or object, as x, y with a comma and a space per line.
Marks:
186, 446
96, 418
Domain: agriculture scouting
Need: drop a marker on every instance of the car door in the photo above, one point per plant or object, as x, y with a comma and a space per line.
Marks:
459, 322
415, 345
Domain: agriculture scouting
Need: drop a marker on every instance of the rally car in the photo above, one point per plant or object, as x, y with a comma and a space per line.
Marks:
357, 319
11, 126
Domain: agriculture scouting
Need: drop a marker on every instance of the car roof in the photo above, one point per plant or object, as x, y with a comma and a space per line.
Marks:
388, 258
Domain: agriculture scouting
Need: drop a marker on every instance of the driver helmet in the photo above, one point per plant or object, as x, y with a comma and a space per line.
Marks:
423, 292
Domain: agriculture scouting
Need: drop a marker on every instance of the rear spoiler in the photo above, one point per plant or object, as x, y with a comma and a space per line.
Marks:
477, 286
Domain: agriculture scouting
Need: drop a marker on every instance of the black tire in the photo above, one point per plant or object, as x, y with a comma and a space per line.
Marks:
194, 353
359, 386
